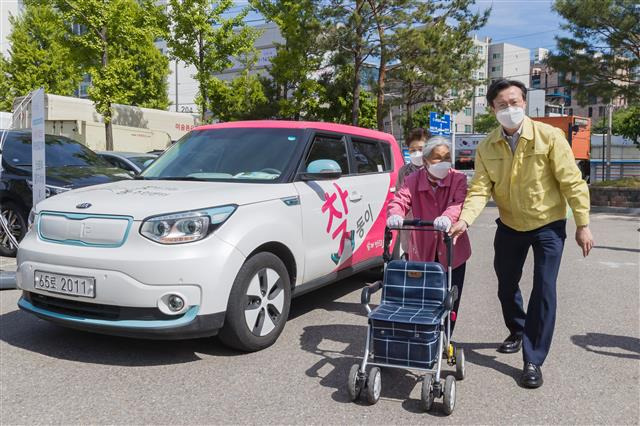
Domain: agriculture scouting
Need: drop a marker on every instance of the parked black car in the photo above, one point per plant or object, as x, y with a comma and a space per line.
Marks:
69, 165
133, 162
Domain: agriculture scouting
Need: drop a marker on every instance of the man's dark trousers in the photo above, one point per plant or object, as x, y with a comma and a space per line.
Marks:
511, 248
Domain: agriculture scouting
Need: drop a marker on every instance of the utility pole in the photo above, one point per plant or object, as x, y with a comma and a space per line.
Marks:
610, 116
473, 111
177, 85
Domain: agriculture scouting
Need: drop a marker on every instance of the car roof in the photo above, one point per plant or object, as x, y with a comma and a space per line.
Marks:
316, 125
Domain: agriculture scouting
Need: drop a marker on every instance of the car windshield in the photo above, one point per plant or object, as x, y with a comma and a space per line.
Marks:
59, 152
252, 154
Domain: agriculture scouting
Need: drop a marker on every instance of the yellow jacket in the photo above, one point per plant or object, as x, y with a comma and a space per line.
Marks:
531, 186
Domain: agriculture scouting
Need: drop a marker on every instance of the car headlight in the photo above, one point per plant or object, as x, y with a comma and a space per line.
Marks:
50, 189
32, 218
185, 227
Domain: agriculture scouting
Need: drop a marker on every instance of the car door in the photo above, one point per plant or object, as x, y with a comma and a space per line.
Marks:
371, 181
330, 209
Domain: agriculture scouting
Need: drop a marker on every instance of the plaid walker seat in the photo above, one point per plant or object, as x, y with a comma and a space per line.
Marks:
410, 328
406, 325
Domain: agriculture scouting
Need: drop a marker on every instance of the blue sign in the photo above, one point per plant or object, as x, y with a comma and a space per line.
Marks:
405, 153
439, 124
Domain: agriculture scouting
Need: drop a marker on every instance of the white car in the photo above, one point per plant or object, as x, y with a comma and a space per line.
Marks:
216, 236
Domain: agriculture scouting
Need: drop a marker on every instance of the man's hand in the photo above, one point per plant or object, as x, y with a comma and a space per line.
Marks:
584, 239
458, 229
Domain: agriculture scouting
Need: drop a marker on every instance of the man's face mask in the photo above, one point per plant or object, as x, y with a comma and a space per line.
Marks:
510, 117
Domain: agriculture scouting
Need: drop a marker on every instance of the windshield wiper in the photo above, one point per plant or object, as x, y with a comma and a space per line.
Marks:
178, 178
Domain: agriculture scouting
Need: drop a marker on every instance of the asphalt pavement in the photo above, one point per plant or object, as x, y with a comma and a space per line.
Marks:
52, 375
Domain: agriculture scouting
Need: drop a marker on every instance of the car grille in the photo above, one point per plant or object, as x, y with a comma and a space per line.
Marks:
95, 310
80, 229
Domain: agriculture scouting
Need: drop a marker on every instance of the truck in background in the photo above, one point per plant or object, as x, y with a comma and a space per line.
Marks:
577, 130
466, 144
135, 129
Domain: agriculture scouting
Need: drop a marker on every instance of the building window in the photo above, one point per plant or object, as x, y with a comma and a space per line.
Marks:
481, 74
495, 56
590, 112
481, 91
467, 128
496, 68
467, 112
601, 111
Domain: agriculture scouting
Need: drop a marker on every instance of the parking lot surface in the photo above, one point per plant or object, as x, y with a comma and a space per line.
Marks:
52, 375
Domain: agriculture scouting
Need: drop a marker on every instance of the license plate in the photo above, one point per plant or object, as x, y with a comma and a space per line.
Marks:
71, 285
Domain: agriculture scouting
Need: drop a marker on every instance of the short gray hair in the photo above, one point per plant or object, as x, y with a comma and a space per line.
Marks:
433, 142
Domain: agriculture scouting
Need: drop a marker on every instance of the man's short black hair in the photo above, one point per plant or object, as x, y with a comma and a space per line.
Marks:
501, 84
418, 134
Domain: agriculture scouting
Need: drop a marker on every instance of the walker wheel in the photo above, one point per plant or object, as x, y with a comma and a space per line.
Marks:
449, 400
354, 386
427, 392
460, 368
374, 385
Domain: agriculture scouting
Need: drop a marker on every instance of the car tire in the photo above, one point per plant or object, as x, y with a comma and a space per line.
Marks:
17, 219
260, 297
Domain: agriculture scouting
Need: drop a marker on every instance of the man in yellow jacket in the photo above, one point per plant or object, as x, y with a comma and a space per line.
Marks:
530, 171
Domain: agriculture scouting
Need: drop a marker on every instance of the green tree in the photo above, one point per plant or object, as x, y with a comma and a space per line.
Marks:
484, 123
437, 57
242, 98
201, 36
387, 15
625, 122
298, 58
116, 47
350, 32
336, 99
38, 57
603, 51
5, 100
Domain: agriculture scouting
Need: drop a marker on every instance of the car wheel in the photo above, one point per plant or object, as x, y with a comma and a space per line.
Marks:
17, 222
258, 304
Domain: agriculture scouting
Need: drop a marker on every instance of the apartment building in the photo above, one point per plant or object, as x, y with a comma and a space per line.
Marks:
561, 100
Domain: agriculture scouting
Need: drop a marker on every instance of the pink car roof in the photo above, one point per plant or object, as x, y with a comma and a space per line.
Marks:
282, 124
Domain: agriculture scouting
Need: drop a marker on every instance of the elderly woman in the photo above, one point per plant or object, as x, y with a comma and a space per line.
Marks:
435, 192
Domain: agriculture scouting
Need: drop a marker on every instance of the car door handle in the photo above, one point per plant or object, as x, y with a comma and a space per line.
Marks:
355, 197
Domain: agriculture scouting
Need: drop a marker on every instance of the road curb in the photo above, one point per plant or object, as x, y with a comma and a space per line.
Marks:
616, 210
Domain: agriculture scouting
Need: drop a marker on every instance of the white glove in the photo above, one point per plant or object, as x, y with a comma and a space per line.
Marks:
395, 221
442, 223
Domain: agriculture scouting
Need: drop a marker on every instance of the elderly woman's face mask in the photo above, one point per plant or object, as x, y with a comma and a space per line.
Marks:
438, 162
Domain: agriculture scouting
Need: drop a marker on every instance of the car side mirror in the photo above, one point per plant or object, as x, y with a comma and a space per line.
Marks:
322, 170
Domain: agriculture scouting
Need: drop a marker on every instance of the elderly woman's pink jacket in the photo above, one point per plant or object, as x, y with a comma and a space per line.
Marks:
417, 195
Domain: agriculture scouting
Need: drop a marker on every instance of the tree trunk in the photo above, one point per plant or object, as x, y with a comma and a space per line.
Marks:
382, 71
355, 109
202, 80
381, 80
408, 124
108, 126
357, 63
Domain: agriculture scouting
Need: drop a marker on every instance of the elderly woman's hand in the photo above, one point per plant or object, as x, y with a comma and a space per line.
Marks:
395, 221
442, 223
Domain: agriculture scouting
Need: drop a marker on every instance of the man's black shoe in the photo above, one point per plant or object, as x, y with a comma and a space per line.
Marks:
531, 376
512, 344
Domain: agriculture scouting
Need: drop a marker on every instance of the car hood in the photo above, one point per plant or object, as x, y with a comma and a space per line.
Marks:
143, 198
78, 177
